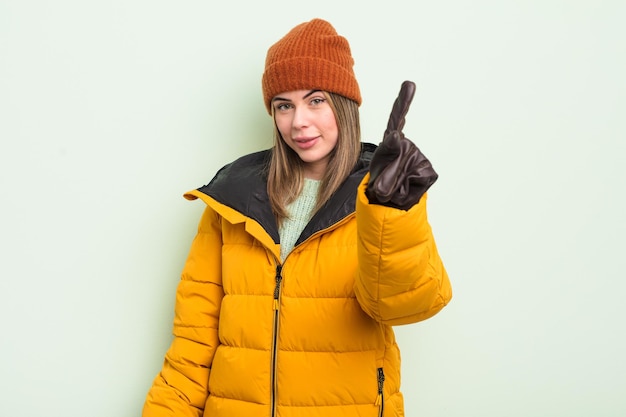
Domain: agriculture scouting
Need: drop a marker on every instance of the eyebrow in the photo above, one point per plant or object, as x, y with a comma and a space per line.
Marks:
305, 96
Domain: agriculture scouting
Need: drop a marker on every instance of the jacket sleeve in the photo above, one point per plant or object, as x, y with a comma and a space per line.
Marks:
401, 278
181, 388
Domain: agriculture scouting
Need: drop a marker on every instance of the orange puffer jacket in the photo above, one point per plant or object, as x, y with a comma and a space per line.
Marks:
309, 337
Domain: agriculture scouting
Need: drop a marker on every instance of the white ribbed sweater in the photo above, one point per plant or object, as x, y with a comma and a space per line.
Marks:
300, 212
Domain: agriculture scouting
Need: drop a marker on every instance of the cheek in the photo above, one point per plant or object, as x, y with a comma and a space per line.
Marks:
330, 126
283, 125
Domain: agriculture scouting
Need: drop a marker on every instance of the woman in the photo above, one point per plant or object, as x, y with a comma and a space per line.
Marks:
305, 256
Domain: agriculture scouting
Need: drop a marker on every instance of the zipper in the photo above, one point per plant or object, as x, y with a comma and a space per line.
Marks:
276, 308
279, 279
380, 399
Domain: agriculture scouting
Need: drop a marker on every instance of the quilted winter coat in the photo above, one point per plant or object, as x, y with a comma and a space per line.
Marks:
309, 337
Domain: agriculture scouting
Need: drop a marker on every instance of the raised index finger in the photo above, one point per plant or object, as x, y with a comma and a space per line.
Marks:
401, 107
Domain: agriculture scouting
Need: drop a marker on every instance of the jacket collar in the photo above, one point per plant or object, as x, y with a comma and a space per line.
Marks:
242, 186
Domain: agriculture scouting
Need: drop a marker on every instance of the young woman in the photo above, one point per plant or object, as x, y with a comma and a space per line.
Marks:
306, 255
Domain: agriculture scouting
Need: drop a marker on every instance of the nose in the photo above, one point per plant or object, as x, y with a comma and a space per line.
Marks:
300, 117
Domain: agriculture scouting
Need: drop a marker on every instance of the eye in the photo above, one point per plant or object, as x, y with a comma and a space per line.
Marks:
282, 106
316, 101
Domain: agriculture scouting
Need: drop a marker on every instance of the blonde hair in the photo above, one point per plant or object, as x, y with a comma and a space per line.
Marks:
286, 169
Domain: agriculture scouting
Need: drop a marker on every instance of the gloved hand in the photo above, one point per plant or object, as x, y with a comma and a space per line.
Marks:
399, 173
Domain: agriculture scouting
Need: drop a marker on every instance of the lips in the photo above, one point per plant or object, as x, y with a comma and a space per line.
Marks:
305, 142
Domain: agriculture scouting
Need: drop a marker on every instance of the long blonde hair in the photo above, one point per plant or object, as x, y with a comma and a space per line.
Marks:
286, 169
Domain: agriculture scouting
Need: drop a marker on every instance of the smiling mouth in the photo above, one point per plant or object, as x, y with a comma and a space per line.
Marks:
305, 143
304, 140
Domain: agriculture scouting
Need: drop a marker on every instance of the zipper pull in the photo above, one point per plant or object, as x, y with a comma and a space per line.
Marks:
279, 278
381, 380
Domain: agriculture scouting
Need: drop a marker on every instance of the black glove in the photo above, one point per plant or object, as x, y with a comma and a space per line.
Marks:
399, 173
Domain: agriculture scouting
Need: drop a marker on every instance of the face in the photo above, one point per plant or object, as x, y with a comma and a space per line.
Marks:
307, 124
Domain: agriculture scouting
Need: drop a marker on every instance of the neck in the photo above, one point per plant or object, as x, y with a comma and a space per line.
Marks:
314, 171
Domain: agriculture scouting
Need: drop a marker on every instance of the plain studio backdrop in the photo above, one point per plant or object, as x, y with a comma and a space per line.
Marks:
111, 110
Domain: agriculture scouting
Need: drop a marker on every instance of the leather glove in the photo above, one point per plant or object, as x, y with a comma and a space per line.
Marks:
399, 173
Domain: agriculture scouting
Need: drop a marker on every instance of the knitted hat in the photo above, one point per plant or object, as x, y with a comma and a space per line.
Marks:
311, 56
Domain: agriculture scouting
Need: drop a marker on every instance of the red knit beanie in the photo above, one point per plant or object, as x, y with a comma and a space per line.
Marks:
312, 56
